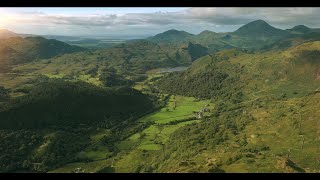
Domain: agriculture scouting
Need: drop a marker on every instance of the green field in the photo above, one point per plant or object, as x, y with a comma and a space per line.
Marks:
185, 106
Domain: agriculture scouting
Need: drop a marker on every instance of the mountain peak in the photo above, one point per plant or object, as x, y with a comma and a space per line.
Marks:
259, 29
171, 35
256, 25
301, 26
174, 31
207, 32
300, 29
5, 33
259, 21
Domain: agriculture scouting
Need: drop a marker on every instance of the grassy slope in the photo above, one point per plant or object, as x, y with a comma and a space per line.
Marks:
184, 109
268, 77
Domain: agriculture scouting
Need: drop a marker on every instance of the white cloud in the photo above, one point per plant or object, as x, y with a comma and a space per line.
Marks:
193, 20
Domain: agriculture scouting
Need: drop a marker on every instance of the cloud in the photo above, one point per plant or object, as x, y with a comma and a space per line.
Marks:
218, 16
274, 16
192, 19
90, 20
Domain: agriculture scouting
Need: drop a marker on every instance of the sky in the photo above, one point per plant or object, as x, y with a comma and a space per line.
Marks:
119, 22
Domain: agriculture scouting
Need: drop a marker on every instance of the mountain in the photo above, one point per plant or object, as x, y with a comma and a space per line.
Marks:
207, 39
286, 43
260, 29
4, 34
131, 57
17, 50
256, 35
207, 33
212, 40
300, 29
171, 36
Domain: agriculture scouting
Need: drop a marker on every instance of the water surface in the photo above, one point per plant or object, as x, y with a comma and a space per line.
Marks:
170, 69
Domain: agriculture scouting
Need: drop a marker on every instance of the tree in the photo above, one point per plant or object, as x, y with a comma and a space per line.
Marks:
4, 94
109, 77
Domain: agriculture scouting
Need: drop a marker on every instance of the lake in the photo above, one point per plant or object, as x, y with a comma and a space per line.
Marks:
170, 69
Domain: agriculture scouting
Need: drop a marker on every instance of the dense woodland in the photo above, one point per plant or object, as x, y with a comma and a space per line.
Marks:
61, 103
70, 110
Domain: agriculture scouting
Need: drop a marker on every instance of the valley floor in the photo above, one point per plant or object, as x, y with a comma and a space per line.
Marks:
140, 147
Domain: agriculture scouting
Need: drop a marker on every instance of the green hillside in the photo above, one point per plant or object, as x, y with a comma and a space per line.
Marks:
35, 48
18, 50
278, 93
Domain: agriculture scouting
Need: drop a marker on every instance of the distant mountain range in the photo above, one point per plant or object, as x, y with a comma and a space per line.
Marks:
256, 28
255, 34
173, 46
